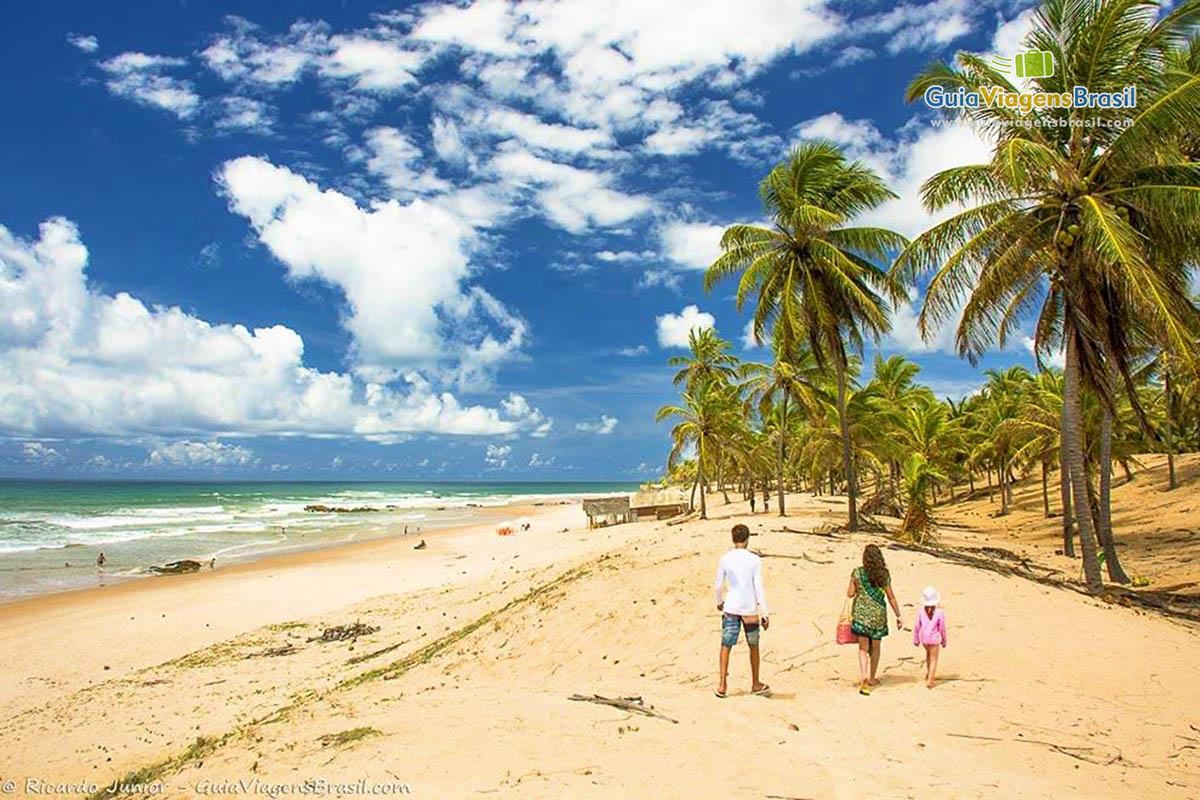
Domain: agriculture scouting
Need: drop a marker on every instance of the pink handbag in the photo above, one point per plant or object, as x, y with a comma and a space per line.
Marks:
845, 630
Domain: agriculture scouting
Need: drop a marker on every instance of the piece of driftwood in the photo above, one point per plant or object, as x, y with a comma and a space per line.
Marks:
340, 633
275, 652
1087, 754
634, 704
1180, 606
822, 534
801, 557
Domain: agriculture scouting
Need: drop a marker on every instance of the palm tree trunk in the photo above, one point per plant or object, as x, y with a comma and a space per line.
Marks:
988, 471
847, 460
721, 482
782, 452
1064, 490
700, 480
1002, 476
971, 480
695, 483
1072, 435
1111, 560
1169, 402
1045, 490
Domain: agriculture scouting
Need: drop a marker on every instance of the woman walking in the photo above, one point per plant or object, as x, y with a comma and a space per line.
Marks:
871, 588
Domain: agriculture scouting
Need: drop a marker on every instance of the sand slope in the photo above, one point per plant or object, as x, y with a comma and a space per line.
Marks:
464, 688
1157, 533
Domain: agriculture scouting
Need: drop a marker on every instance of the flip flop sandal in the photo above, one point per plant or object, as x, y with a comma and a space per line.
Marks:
719, 694
865, 689
763, 692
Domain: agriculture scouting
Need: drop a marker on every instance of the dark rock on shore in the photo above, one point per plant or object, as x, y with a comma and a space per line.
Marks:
177, 567
317, 508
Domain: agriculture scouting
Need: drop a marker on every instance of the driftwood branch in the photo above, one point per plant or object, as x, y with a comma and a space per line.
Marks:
801, 557
1087, 754
633, 704
822, 534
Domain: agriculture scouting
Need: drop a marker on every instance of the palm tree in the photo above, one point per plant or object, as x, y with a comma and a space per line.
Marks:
919, 478
1037, 432
704, 420
793, 375
709, 358
1002, 401
811, 273
1060, 214
894, 376
1183, 66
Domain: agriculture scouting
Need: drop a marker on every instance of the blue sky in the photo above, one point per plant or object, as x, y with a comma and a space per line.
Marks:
427, 241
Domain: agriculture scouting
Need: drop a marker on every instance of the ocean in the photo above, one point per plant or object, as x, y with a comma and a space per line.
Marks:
52, 531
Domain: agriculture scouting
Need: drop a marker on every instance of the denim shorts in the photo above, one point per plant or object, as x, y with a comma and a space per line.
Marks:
731, 624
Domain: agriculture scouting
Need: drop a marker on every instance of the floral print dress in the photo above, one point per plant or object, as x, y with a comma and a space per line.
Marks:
870, 607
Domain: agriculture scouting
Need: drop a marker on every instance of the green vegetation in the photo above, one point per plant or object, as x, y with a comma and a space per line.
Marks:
1082, 233
343, 738
139, 781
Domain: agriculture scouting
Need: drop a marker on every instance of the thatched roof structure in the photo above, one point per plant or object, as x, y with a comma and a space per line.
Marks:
604, 511
658, 498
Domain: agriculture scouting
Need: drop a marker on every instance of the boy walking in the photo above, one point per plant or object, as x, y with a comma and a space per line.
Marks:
742, 607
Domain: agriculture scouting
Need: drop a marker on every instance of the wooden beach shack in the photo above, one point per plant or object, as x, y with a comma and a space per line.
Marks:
604, 511
658, 504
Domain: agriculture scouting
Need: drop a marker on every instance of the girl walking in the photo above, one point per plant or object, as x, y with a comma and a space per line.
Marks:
929, 630
870, 586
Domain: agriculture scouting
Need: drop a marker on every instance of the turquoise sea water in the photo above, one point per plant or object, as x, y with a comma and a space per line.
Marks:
52, 531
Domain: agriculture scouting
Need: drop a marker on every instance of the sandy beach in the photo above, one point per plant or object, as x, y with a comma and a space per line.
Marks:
191, 682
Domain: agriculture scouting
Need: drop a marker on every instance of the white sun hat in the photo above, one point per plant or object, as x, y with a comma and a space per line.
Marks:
930, 597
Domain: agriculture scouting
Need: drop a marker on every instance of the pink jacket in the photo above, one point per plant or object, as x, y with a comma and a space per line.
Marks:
930, 631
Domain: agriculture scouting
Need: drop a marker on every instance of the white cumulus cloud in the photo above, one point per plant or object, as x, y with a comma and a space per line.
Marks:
673, 329
602, 427
187, 453
691, 245
85, 42
401, 267
496, 456
75, 361
142, 78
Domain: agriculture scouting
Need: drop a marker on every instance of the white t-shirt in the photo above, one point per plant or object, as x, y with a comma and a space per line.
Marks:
743, 572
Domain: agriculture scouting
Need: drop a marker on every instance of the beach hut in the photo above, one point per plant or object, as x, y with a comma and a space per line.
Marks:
658, 504
604, 511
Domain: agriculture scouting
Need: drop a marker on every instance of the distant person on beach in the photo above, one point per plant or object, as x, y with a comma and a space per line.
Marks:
870, 584
741, 606
929, 630
766, 501
100, 562
751, 501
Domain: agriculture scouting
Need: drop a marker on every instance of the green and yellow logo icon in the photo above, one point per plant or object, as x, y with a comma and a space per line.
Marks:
1032, 64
